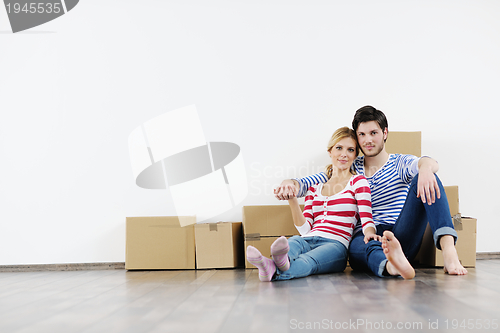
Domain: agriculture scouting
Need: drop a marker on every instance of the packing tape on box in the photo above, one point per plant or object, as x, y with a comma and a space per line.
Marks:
252, 237
457, 222
212, 226
205, 178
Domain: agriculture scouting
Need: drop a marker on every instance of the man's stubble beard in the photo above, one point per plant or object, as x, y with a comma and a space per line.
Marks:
373, 154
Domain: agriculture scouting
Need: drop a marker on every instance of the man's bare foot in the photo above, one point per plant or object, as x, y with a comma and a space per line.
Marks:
452, 265
397, 263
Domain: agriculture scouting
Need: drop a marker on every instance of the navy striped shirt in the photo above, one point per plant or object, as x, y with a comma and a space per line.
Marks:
389, 185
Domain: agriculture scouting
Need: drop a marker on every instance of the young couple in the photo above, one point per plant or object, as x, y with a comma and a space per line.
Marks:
396, 193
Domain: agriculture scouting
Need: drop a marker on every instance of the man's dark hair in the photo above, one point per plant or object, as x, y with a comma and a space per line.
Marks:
369, 113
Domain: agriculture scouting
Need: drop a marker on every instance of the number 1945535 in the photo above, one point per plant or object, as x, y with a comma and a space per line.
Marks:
34, 7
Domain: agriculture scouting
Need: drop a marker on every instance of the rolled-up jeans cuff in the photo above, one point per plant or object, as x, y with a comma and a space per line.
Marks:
381, 268
442, 232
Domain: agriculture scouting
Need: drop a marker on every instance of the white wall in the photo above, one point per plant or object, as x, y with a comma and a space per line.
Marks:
275, 77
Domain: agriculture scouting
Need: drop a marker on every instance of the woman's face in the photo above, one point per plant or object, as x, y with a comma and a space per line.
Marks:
343, 154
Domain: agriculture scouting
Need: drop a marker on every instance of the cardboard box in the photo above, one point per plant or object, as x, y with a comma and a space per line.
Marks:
159, 243
466, 244
219, 245
268, 221
452, 196
404, 143
263, 244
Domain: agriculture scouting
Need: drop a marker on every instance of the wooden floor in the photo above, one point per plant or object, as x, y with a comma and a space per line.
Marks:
236, 301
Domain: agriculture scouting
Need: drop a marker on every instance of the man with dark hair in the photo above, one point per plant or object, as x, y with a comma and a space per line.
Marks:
406, 194
369, 113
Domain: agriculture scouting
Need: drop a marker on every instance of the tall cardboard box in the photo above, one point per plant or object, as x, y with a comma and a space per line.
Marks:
159, 243
219, 245
262, 225
452, 196
404, 143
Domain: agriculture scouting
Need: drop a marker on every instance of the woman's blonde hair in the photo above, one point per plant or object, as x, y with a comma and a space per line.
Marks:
341, 133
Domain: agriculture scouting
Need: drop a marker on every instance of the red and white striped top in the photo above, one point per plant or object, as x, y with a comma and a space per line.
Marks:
335, 217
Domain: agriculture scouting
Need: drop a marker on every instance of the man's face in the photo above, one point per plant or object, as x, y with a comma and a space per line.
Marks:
371, 138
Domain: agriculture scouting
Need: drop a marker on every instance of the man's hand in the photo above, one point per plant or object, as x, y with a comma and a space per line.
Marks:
288, 189
427, 187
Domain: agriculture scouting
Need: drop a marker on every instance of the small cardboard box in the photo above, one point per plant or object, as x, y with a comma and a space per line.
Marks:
159, 243
263, 244
404, 143
268, 221
466, 245
219, 245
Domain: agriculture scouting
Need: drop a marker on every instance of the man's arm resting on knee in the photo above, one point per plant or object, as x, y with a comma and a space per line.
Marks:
428, 188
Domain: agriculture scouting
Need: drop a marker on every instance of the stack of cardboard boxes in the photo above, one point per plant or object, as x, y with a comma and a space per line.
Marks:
161, 243
410, 143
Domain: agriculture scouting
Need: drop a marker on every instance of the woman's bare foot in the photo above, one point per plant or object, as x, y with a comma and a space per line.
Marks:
452, 265
397, 263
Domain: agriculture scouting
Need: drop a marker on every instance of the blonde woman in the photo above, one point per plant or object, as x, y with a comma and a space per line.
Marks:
326, 226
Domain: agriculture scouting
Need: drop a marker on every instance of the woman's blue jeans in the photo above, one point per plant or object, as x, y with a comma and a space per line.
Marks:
408, 229
313, 255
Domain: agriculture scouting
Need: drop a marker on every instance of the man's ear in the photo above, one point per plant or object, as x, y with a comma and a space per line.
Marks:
386, 133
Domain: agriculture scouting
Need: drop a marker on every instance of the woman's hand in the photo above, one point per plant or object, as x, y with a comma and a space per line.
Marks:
286, 190
370, 234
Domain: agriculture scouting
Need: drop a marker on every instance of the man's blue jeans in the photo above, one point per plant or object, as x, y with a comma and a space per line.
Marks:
313, 255
408, 229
